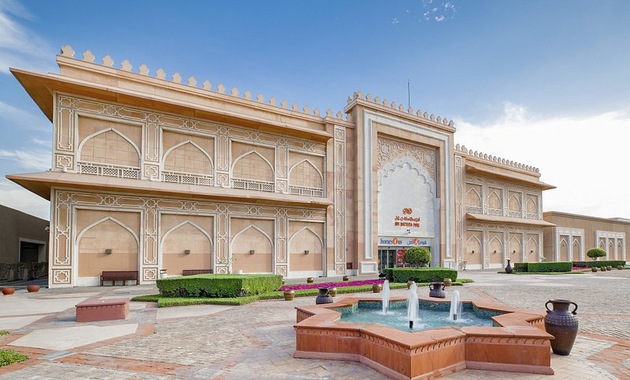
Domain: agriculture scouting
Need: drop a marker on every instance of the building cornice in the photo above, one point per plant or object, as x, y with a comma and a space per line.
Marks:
42, 183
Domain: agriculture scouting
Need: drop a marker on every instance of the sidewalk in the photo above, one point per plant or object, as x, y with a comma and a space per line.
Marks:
257, 340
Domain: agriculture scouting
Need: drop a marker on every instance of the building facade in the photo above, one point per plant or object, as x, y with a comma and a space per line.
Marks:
23, 237
571, 236
154, 174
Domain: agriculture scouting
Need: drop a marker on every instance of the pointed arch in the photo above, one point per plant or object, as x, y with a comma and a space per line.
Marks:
261, 260
107, 244
307, 229
476, 243
563, 242
494, 243
187, 222
515, 244
96, 147
252, 165
103, 220
306, 177
494, 199
532, 205
186, 246
251, 226
188, 157
473, 197
410, 164
514, 202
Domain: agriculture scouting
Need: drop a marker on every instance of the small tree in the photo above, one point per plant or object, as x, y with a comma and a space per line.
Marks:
417, 256
594, 253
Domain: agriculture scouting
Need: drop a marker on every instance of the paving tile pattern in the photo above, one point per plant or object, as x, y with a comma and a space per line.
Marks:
258, 340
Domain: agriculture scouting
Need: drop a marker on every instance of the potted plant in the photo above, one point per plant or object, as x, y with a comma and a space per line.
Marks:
417, 256
595, 253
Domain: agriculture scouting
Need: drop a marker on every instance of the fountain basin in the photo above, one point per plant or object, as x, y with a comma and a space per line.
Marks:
517, 342
428, 317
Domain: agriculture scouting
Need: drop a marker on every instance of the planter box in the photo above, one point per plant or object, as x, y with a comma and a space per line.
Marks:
92, 310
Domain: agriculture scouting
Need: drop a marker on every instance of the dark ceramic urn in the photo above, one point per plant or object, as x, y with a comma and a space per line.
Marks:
508, 268
437, 290
323, 297
562, 324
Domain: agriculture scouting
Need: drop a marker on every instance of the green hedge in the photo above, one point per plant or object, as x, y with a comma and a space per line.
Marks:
553, 266
519, 267
420, 274
599, 264
218, 285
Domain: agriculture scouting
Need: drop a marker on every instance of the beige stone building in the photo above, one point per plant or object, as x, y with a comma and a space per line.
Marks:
154, 173
571, 236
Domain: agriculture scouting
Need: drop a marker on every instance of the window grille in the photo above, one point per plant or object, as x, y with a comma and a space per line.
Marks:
187, 178
307, 191
252, 185
107, 170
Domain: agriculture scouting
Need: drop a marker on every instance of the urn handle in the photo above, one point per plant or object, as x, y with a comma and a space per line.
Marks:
547, 307
574, 310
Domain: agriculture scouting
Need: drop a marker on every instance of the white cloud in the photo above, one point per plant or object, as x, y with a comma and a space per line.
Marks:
27, 160
23, 118
15, 197
583, 157
19, 47
438, 11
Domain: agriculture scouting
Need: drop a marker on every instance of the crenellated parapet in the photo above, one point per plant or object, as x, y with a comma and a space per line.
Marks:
494, 159
424, 116
192, 82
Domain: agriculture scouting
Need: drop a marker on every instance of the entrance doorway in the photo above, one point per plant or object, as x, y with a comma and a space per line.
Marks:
32, 252
388, 257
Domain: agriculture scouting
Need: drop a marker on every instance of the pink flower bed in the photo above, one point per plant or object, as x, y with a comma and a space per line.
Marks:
330, 285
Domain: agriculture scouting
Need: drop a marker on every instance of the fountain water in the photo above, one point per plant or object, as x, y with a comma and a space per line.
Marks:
456, 306
385, 296
412, 304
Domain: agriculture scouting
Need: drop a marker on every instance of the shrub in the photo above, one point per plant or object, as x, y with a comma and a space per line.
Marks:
594, 253
9, 356
520, 267
420, 274
417, 256
599, 264
558, 266
218, 285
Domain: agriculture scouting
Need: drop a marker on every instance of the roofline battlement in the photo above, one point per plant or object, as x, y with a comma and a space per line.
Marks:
495, 159
417, 115
176, 78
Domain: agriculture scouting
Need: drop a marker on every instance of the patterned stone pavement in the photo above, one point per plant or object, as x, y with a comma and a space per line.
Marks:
257, 340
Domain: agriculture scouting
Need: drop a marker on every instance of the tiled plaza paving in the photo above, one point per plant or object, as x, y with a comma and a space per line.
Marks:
257, 341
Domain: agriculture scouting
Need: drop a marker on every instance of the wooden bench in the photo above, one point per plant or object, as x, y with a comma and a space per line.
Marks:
92, 310
190, 272
119, 275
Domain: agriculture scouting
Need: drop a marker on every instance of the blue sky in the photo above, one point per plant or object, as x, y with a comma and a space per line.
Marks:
545, 83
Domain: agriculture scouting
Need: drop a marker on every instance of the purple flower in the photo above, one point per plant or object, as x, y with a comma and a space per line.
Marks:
330, 285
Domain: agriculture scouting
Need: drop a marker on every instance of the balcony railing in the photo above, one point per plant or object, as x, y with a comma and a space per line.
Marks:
307, 191
187, 178
108, 170
253, 185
